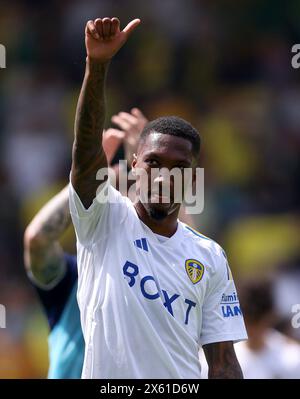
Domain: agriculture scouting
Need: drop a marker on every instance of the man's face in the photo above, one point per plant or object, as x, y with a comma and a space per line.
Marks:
157, 156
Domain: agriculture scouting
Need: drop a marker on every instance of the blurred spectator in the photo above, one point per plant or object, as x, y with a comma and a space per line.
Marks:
268, 354
286, 295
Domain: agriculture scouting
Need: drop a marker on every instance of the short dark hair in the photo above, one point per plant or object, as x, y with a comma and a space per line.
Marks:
256, 298
174, 126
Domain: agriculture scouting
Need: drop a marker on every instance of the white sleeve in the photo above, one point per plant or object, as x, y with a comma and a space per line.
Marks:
222, 318
107, 210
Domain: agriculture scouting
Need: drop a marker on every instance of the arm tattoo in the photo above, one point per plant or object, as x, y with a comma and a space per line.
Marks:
88, 155
43, 253
53, 219
56, 223
222, 361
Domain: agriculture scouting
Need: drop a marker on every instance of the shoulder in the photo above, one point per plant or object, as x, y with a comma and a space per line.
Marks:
209, 249
203, 241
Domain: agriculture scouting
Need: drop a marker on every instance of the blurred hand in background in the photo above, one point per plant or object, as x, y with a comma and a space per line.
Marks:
131, 124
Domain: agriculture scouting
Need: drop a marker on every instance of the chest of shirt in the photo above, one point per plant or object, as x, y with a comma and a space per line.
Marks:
175, 276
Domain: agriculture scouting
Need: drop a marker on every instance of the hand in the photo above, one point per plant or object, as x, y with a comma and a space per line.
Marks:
132, 125
111, 140
103, 37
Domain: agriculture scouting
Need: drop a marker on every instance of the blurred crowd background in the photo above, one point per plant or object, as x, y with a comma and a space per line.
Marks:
225, 66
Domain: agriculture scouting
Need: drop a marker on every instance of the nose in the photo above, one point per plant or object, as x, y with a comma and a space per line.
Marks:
159, 179
162, 184
162, 179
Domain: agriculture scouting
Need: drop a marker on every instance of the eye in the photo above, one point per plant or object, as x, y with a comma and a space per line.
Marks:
152, 162
181, 167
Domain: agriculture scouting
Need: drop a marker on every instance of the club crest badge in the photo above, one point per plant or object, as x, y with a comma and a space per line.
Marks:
194, 269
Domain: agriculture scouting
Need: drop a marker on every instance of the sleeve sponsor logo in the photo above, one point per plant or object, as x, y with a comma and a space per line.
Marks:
230, 305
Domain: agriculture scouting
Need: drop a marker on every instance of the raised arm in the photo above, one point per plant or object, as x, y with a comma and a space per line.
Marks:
222, 361
103, 39
43, 255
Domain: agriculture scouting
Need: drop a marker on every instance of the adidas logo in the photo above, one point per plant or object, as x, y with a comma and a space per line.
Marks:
142, 244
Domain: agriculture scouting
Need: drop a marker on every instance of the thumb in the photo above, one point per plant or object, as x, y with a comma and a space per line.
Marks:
131, 27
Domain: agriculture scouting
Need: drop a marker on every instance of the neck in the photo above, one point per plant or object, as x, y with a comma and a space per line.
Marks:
166, 227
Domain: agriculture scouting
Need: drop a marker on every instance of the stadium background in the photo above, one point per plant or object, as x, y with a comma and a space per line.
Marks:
226, 67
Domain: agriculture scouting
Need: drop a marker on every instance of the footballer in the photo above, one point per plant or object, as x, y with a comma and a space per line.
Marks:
151, 290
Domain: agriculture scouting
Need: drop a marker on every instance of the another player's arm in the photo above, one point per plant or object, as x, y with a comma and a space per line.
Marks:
103, 39
43, 255
222, 361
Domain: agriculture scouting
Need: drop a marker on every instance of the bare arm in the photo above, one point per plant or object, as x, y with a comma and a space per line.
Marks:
222, 361
43, 254
103, 39
88, 155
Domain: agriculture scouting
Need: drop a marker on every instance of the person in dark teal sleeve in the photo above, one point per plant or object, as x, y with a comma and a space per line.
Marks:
53, 273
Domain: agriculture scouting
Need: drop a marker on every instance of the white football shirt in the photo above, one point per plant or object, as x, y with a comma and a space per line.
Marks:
147, 306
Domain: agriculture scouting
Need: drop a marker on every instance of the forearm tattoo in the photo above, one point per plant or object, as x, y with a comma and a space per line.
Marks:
222, 361
43, 253
88, 155
56, 220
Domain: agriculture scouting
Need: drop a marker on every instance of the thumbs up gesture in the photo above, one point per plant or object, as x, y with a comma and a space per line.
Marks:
103, 37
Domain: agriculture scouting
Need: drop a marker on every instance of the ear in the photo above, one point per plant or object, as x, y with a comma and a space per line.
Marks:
194, 179
195, 165
133, 164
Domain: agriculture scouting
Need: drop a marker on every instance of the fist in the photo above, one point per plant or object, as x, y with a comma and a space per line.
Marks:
103, 37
